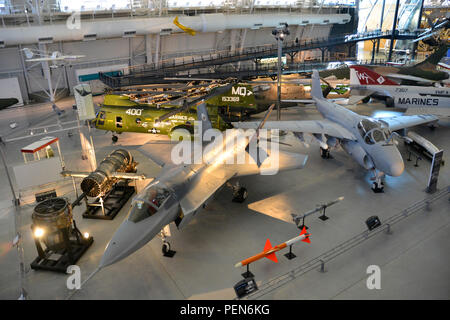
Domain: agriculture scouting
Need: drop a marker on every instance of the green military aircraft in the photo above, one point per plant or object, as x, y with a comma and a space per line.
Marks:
119, 113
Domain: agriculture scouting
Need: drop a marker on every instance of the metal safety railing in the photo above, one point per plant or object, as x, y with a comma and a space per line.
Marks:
319, 261
171, 67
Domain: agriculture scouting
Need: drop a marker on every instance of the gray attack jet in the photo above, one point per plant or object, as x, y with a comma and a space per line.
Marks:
368, 141
182, 190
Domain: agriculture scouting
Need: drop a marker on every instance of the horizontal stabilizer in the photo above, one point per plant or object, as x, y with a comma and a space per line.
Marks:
268, 245
272, 257
355, 99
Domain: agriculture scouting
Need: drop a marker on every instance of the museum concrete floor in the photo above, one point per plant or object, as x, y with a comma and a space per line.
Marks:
413, 259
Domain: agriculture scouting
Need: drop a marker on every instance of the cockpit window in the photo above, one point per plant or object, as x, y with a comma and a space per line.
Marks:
147, 203
101, 118
371, 131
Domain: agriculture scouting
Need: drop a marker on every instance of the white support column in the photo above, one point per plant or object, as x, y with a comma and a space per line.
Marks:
130, 52
148, 48
233, 34
157, 49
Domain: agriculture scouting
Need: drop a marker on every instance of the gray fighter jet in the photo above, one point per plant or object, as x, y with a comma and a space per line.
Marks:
369, 141
181, 191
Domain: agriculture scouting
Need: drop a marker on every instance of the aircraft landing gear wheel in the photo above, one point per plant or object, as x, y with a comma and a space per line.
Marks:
240, 195
165, 248
390, 102
115, 139
378, 187
325, 153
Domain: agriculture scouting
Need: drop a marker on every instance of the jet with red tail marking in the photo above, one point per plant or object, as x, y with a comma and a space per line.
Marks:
417, 99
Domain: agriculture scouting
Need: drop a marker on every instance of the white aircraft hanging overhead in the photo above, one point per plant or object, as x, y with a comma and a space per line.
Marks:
368, 141
417, 99
42, 57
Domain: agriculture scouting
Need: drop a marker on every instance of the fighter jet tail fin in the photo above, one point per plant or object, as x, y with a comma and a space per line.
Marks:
202, 116
435, 57
271, 256
360, 75
316, 89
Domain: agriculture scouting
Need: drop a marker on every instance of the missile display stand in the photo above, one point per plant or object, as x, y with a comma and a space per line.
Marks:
110, 204
290, 255
247, 274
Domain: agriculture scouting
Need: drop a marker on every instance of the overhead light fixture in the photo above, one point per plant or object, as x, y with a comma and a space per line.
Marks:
256, 26
129, 34
90, 37
45, 40
166, 32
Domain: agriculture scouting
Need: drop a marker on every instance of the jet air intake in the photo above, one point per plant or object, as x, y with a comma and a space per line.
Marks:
100, 181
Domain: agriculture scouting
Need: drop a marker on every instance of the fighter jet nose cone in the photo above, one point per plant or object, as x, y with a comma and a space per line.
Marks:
110, 255
396, 169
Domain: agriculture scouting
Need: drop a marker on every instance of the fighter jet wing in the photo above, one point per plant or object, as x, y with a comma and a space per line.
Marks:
275, 162
354, 99
158, 151
306, 126
205, 185
440, 112
398, 76
401, 122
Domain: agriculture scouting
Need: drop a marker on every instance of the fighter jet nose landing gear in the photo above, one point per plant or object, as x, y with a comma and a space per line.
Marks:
378, 187
377, 184
325, 153
166, 246
240, 194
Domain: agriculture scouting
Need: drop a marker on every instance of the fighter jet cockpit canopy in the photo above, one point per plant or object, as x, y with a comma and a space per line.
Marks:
148, 202
372, 131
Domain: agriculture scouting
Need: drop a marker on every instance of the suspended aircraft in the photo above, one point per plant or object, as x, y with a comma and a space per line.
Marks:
368, 141
180, 191
34, 55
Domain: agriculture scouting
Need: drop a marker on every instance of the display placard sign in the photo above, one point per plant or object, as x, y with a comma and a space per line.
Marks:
434, 171
85, 104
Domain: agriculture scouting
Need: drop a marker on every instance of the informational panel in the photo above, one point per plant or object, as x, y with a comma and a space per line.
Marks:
10, 88
434, 171
36, 173
85, 104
